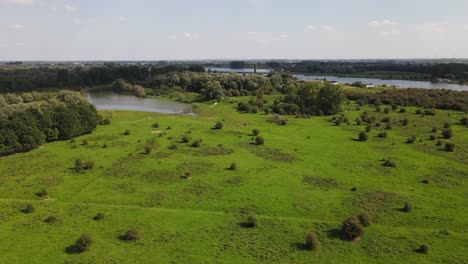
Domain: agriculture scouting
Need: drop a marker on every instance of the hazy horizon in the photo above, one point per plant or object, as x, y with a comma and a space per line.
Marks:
143, 30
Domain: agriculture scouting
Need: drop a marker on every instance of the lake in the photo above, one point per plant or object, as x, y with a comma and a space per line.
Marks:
378, 82
107, 100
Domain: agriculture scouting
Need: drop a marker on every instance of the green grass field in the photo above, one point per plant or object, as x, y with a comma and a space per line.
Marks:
300, 181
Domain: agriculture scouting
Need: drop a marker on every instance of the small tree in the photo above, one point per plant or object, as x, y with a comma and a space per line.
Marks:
449, 147
352, 228
219, 125
84, 242
186, 138
411, 140
259, 140
196, 143
312, 241
78, 166
148, 149
43, 193
368, 128
408, 207
131, 235
423, 249
29, 209
89, 165
255, 132
155, 125
382, 135
251, 221
127, 132
99, 216
51, 220
447, 133
365, 219
363, 136
233, 166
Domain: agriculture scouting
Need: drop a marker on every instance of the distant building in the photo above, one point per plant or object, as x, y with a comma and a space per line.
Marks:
370, 86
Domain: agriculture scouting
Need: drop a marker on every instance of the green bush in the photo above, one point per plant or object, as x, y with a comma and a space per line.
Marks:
99, 216
449, 147
196, 143
51, 220
408, 207
155, 125
131, 235
251, 221
233, 166
78, 166
42, 193
312, 242
186, 138
173, 146
432, 137
447, 133
105, 122
219, 125
464, 121
84, 242
85, 143
363, 136
382, 135
365, 219
127, 132
255, 132
352, 228
389, 163
405, 122
29, 209
89, 165
259, 140
423, 249
368, 128
411, 140
148, 149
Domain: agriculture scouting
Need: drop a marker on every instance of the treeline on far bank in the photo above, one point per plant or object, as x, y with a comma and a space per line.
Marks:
25, 126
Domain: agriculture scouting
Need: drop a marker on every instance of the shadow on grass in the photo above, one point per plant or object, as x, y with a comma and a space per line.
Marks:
335, 233
300, 246
73, 249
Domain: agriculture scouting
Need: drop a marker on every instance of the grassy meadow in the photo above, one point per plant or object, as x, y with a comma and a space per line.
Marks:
309, 176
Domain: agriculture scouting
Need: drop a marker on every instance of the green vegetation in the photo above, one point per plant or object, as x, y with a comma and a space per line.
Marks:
183, 204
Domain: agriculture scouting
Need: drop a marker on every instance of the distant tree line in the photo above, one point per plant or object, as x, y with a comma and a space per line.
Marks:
27, 79
458, 71
25, 126
428, 98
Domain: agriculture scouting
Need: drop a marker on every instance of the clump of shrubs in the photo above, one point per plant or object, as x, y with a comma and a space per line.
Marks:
312, 242
389, 163
408, 207
255, 132
84, 242
439, 143
148, 149
233, 166
105, 122
432, 137
402, 110
449, 147
259, 140
85, 143
368, 128
42, 193
131, 235
219, 125
411, 140
173, 146
186, 138
365, 219
447, 133
78, 166
99, 216
363, 136
28, 209
188, 174
464, 121
196, 143
382, 135
51, 220
352, 228
405, 122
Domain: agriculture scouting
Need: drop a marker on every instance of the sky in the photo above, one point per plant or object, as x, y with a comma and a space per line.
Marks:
232, 29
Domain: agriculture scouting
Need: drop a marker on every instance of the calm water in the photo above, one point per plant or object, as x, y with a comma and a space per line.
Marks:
378, 82
397, 83
106, 100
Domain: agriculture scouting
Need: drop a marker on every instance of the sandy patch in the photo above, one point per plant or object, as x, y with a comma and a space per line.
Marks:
156, 132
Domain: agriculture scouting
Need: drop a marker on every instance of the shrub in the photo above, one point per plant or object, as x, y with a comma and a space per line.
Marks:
368, 128
99, 216
432, 137
447, 133
29, 209
105, 122
423, 249
388, 127
78, 166
386, 110
89, 165
430, 112
148, 149
85, 143
255, 132
259, 140
363, 136
394, 107
338, 122
51, 220
173, 146
84, 242
447, 125
233, 166
311, 241
104, 146
251, 221
386, 119
188, 174
405, 122
402, 110
127, 132
352, 228
155, 125
196, 143
408, 207
419, 112
365, 219
186, 138
131, 235
218, 125
434, 130
389, 163
382, 135
43, 193
439, 143
411, 140
449, 147
464, 121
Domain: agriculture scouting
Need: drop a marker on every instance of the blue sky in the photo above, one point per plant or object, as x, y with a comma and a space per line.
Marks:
240, 29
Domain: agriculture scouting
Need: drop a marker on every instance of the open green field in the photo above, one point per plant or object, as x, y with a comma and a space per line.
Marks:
300, 181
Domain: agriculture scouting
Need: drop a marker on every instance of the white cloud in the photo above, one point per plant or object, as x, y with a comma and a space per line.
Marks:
3, 46
284, 36
82, 22
320, 27
69, 8
385, 22
191, 35
123, 19
17, 26
437, 28
390, 32
16, 2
